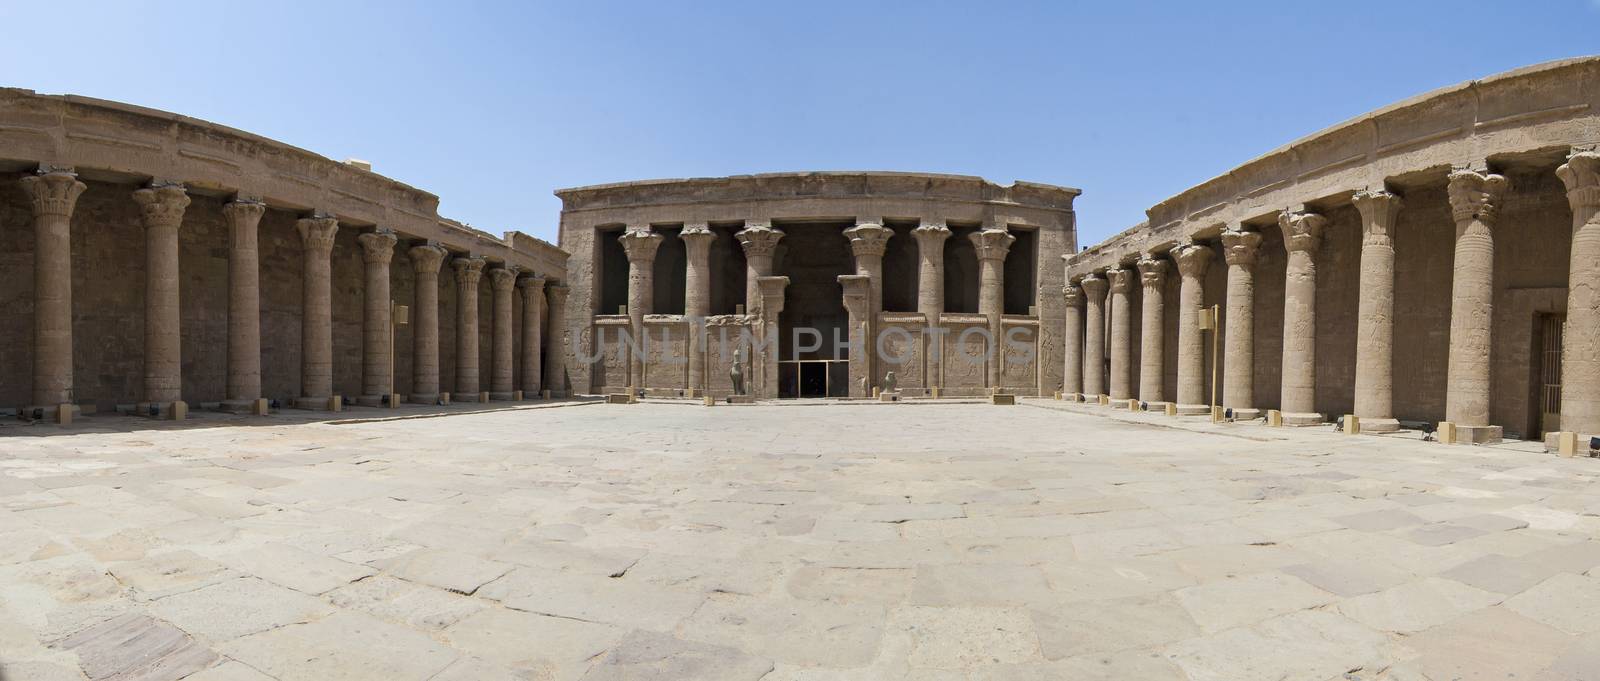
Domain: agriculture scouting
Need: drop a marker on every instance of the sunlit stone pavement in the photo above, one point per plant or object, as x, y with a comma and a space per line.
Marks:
827, 541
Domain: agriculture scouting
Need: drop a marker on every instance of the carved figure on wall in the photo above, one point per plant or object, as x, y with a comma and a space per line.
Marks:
737, 372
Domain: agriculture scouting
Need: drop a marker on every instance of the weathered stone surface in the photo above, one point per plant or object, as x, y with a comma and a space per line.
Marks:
643, 656
297, 569
135, 647
403, 602
343, 645
622, 602
543, 646
237, 607
1567, 602
1228, 603
1301, 646
1416, 606
461, 573
799, 632
1111, 626
1494, 644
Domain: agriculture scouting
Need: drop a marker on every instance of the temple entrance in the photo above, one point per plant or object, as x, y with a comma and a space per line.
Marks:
1547, 338
814, 378
811, 363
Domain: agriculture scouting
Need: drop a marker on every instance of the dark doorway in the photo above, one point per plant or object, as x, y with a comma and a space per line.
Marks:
1547, 340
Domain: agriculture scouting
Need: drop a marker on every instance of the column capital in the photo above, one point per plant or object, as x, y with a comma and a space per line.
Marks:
868, 239
469, 270
427, 257
1121, 279
504, 278
1192, 259
53, 191
162, 205
533, 283
1379, 209
758, 239
931, 233
244, 210
857, 291
1094, 286
317, 231
1302, 231
557, 293
378, 247
1072, 295
1475, 195
1239, 247
1581, 175
640, 244
697, 233
992, 243
1152, 270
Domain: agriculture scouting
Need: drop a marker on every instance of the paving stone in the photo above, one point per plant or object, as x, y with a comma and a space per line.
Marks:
748, 577
1088, 581
851, 585
1379, 521
1111, 626
1494, 643
135, 647
237, 607
1301, 646
624, 602
539, 646
1348, 577
978, 585
958, 638
1228, 603
1577, 663
808, 633
1568, 602
414, 605
1500, 574
1416, 606
169, 573
296, 568
647, 656
473, 669
603, 562
1490, 522
344, 645
1439, 534
229, 670
461, 573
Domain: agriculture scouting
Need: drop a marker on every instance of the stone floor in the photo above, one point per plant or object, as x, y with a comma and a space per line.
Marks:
828, 541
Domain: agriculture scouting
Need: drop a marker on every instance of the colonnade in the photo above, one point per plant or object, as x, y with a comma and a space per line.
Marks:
54, 191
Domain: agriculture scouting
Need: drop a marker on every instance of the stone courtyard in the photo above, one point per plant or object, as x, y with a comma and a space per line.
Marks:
803, 541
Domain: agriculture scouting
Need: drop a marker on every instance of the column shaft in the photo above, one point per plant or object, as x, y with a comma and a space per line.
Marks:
1473, 199
697, 240
760, 241
426, 260
532, 335
377, 334
1072, 340
1121, 333
162, 209
1374, 387
1238, 384
1302, 235
992, 245
1152, 328
54, 194
469, 272
931, 236
501, 383
244, 301
1193, 260
316, 315
1580, 351
1094, 332
640, 244
555, 379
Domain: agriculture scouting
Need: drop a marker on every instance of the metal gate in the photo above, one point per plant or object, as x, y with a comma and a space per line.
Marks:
1551, 327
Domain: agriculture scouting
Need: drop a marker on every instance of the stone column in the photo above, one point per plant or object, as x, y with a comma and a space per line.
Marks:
1152, 330
868, 240
1374, 389
377, 351
469, 272
759, 240
244, 306
54, 193
1192, 261
640, 244
857, 301
697, 239
1239, 354
555, 366
161, 206
532, 335
316, 314
1121, 332
771, 289
1580, 351
501, 384
992, 244
426, 259
1072, 341
931, 235
1302, 235
1094, 335
1474, 201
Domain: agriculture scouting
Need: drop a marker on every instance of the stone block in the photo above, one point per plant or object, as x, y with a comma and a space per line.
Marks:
1170, 409
741, 399
1103, 400
889, 397
1274, 417
934, 392
1303, 419
1191, 409
517, 395
1058, 395
1371, 426
1217, 414
621, 398
483, 397
544, 394
1352, 424
1457, 434
261, 407
1002, 398
1133, 405
709, 401
444, 398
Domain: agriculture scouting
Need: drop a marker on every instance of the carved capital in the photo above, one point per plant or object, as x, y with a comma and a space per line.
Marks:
697, 237
857, 291
992, 243
640, 245
427, 258
1094, 286
317, 231
53, 191
868, 239
504, 278
1072, 295
1239, 247
244, 214
469, 271
1152, 270
1475, 195
758, 240
532, 287
162, 205
931, 235
1581, 175
1192, 259
1121, 279
557, 294
1378, 212
1301, 231
378, 247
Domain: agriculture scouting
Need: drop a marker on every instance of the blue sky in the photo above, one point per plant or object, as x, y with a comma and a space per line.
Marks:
491, 105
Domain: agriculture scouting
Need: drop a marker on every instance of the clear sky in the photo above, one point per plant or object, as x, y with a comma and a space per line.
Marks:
491, 105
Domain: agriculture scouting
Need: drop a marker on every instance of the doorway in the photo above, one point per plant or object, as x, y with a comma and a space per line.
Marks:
1548, 331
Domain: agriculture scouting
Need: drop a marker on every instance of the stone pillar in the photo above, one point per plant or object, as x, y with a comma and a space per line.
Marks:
868, 240
532, 335
54, 193
1580, 351
1239, 354
1094, 334
1153, 275
377, 334
1374, 388
931, 235
501, 383
1072, 341
759, 240
555, 366
469, 272
1121, 332
857, 302
697, 239
161, 207
771, 289
992, 244
244, 306
1474, 201
316, 314
1192, 261
1302, 236
426, 259
640, 244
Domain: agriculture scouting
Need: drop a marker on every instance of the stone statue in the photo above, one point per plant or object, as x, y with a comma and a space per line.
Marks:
737, 372
889, 383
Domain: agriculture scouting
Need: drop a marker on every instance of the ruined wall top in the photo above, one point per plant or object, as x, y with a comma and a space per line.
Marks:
816, 185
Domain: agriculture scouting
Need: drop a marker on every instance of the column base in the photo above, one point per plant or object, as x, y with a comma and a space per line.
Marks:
1303, 419
1103, 400
1193, 409
333, 403
1005, 399
1375, 426
466, 397
546, 394
891, 396
1242, 413
167, 411
59, 414
503, 397
259, 407
517, 395
741, 399
1456, 434
423, 399
390, 401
